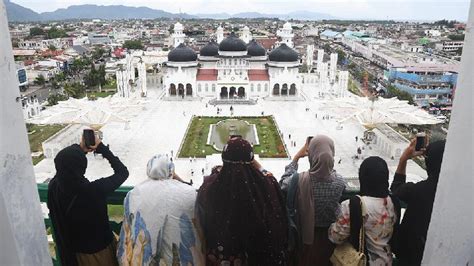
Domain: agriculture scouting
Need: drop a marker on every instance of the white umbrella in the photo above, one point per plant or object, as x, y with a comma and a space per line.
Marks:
377, 110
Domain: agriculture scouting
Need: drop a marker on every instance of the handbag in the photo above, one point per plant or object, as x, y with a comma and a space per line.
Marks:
346, 254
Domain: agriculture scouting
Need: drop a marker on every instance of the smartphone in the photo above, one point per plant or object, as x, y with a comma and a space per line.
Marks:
89, 137
420, 141
308, 139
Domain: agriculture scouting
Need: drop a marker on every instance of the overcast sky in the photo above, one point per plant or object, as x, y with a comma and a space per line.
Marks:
358, 9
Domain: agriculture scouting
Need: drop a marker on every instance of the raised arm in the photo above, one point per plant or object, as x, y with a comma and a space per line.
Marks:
109, 184
399, 187
292, 168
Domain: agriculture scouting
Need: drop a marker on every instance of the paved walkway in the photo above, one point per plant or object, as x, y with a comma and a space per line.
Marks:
161, 126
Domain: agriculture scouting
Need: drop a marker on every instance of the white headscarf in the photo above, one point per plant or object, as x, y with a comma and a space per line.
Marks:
160, 167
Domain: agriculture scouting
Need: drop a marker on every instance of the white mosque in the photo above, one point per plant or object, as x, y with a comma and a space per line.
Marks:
232, 68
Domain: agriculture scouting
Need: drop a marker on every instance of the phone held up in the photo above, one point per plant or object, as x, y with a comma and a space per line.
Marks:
89, 137
420, 141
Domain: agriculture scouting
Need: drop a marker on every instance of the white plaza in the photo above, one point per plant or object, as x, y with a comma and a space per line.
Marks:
161, 126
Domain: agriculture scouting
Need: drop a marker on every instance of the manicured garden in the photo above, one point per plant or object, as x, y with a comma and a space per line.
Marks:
195, 142
37, 134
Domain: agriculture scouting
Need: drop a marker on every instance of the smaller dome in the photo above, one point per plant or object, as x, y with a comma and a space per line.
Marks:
232, 44
210, 49
287, 25
178, 26
182, 53
255, 49
283, 54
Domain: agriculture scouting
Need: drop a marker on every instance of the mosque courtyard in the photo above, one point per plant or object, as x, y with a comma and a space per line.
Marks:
161, 126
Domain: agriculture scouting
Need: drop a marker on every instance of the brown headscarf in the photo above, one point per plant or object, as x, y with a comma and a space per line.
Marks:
241, 212
321, 157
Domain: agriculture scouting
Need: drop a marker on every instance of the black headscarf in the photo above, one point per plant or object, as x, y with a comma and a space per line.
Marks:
243, 210
71, 164
373, 177
434, 158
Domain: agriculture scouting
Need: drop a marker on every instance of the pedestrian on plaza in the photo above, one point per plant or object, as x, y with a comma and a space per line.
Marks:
289, 136
202, 171
357, 138
78, 207
171, 153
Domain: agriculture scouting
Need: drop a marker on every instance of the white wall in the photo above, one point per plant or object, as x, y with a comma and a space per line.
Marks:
450, 235
22, 230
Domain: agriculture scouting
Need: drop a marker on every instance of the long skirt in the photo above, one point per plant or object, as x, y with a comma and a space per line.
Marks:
105, 257
320, 251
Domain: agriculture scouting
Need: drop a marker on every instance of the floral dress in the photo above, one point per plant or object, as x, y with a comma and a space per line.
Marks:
379, 220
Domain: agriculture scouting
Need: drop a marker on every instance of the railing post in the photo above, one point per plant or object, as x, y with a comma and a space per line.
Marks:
22, 230
451, 234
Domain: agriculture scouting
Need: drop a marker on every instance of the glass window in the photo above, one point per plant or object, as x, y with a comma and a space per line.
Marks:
207, 87
259, 87
199, 87
266, 87
213, 87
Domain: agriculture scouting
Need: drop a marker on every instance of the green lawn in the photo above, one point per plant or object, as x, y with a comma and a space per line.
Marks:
271, 145
101, 94
38, 134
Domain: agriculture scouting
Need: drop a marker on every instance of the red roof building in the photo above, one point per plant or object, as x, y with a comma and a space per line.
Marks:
258, 75
206, 75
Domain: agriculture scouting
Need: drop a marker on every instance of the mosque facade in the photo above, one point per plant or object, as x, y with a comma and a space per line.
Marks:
232, 67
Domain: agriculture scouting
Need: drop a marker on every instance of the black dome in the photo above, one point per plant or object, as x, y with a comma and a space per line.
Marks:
210, 49
283, 54
182, 53
255, 49
232, 44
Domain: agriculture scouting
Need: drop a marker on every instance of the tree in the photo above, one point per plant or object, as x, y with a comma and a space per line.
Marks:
54, 33
341, 57
35, 31
53, 99
98, 53
393, 91
75, 90
40, 80
133, 44
456, 37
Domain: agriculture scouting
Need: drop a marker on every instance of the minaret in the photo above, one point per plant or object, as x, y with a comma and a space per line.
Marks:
309, 57
333, 67
246, 35
219, 34
178, 35
286, 34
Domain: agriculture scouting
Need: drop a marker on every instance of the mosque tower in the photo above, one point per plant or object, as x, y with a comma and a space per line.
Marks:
286, 35
219, 34
178, 35
246, 35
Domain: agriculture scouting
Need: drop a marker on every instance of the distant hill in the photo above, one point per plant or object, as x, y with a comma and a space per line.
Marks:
18, 13
109, 12
304, 15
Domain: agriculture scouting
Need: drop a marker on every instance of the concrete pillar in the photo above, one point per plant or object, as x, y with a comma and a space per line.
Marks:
451, 232
22, 230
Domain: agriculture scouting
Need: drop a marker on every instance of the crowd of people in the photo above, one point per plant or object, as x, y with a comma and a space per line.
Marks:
241, 215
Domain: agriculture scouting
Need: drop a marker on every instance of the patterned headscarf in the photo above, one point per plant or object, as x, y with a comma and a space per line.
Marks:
243, 214
321, 157
160, 167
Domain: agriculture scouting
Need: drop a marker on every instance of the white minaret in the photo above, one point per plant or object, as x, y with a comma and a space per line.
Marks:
142, 77
178, 35
309, 56
246, 35
320, 58
286, 34
343, 83
333, 67
219, 34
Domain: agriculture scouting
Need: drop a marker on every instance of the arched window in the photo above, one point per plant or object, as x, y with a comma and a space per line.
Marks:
199, 87
206, 87
266, 87
213, 87
259, 87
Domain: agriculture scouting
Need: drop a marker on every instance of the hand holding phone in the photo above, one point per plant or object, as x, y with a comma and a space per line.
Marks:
420, 141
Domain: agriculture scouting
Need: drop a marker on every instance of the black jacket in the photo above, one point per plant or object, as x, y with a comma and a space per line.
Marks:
80, 218
411, 237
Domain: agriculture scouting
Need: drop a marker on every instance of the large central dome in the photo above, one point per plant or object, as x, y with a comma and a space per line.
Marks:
232, 44
255, 49
210, 49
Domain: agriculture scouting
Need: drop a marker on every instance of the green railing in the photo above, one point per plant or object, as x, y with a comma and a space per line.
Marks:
117, 199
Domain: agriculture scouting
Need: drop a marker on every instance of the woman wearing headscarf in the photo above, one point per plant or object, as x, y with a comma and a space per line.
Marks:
158, 225
316, 198
379, 216
78, 208
419, 197
241, 212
